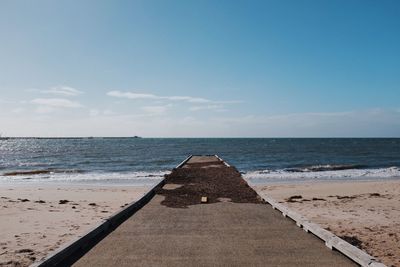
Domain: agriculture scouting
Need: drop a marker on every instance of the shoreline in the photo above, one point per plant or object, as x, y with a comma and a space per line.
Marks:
364, 213
37, 219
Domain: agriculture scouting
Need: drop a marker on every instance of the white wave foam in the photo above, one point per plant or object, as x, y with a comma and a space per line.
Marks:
391, 172
140, 177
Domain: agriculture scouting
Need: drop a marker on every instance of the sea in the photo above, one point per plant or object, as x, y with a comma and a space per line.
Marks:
144, 161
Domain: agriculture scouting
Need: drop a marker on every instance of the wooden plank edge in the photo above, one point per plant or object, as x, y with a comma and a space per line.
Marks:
220, 159
331, 240
183, 162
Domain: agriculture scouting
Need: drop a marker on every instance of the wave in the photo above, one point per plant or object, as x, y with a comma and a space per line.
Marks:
331, 172
36, 172
327, 167
79, 177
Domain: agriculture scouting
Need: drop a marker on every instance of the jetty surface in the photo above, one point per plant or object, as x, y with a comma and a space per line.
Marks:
233, 228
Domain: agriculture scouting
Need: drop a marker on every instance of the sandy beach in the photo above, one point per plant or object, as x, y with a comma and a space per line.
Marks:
35, 220
366, 213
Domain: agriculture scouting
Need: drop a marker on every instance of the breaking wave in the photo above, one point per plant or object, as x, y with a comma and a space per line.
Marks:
36, 172
324, 172
80, 177
326, 167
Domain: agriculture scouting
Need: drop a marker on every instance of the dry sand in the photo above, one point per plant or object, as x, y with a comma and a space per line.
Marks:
364, 212
35, 220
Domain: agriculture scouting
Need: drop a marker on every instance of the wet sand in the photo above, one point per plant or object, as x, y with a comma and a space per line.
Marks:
35, 220
364, 213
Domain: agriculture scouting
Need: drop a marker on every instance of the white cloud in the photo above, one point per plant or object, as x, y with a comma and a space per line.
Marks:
63, 90
130, 95
361, 123
56, 102
199, 100
188, 99
219, 108
59, 90
97, 112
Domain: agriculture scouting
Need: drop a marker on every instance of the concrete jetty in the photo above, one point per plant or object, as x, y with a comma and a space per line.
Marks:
232, 226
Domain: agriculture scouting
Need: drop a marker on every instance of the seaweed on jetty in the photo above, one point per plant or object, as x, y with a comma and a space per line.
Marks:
214, 180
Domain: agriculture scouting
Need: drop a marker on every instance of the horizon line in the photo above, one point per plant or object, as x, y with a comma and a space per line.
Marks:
197, 137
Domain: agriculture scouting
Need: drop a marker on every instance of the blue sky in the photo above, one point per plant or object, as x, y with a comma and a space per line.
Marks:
200, 68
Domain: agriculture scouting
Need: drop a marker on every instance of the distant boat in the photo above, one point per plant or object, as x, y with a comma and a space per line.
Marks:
136, 136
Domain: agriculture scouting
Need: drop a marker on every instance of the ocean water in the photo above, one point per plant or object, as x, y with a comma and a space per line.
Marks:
143, 161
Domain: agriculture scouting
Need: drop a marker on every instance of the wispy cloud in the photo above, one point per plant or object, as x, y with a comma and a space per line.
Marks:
48, 105
216, 107
59, 90
56, 102
189, 99
361, 123
96, 112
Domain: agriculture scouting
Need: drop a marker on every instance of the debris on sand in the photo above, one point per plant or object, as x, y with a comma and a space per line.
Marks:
293, 198
24, 250
317, 198
352, 240
374, 195
345, 197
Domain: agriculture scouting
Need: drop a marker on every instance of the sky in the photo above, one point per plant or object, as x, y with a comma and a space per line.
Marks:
300, 68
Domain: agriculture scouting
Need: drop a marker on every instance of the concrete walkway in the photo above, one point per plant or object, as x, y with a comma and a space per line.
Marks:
234, 229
